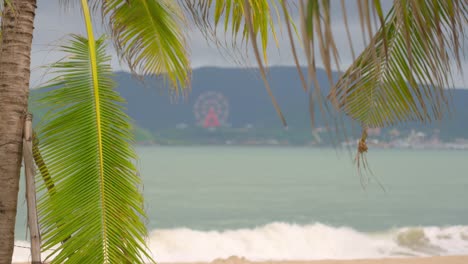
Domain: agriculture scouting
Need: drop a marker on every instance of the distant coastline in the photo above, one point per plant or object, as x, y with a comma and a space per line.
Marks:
460, 145
233, 109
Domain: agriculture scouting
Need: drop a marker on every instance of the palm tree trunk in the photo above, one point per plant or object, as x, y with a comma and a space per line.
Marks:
15, 56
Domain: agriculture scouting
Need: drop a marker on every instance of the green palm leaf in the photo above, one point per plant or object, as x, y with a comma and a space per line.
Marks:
402, 75
231, 15
149, 37
95, 213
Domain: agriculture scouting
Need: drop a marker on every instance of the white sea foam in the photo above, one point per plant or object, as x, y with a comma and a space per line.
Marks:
282, 241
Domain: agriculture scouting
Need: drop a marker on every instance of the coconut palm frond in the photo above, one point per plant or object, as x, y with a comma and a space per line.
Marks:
149, 36
251, 31
317, 37
94, 214
208, 15
404, 72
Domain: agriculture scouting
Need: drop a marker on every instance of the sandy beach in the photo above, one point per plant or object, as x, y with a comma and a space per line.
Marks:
425, 260
422, 260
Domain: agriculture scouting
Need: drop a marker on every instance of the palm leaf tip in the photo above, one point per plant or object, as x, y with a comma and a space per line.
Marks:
95, 214
149, 37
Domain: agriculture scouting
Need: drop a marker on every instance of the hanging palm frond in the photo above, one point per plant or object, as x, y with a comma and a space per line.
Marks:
231, 14
403, 74
249, 17
149, 36
94, 214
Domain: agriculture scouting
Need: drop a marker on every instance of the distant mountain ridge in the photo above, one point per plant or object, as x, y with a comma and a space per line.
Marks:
152, 106
154, 109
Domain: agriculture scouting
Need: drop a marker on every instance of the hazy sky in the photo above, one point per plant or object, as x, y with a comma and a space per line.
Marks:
53, 23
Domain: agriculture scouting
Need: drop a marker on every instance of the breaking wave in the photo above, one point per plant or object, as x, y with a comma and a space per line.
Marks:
283, 241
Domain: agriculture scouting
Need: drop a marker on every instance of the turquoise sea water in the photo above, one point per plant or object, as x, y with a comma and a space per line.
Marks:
233, 187
259, 201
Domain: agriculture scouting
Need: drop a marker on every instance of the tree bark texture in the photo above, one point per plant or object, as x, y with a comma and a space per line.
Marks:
15, 58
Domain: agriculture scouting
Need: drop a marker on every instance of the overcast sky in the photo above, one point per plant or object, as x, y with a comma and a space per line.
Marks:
53, 23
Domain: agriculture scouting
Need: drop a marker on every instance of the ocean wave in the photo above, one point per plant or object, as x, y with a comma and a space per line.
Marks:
284, 241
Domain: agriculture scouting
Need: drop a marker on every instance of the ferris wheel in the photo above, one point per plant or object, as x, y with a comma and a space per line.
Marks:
211, 110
